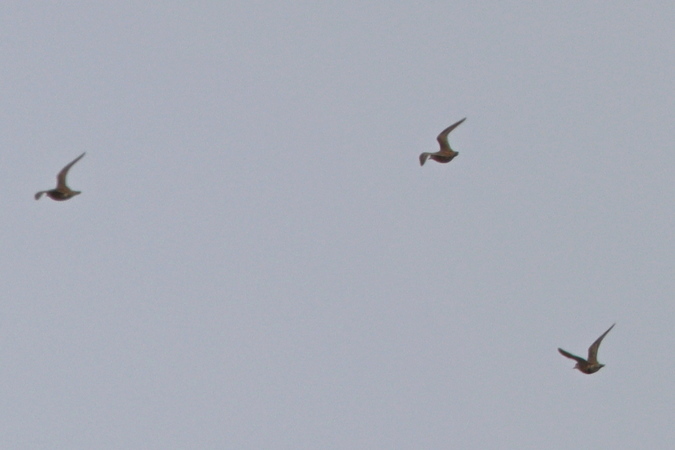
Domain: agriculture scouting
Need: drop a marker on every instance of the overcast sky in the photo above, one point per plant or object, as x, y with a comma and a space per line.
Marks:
258, 261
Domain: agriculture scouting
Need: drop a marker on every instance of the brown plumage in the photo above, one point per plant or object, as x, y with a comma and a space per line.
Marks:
591, 365
62, 191
445, 154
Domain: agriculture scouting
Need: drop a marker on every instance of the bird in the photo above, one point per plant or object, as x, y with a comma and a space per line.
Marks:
62, 191
445, 154
591, 365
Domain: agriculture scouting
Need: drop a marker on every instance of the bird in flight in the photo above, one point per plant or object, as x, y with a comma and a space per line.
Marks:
62, 191
591, 365
445, 154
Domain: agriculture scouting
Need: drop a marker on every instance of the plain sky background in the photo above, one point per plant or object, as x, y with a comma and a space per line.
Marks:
258, 261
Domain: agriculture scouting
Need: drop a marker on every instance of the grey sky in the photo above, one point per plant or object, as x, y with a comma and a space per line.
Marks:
257, 259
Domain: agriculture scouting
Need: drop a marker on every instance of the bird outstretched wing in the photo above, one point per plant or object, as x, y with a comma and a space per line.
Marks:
61, 177
593, 349
443, 137
578, 359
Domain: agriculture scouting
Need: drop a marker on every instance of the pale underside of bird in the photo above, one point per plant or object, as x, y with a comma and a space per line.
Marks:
62, 191
591, 365
445, 154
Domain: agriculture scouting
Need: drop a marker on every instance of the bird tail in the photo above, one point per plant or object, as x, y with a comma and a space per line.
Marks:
423, 158
39, 194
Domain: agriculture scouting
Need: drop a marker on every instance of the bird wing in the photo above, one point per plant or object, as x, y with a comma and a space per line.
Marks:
443, 137
578, 359
61, 177
593, 349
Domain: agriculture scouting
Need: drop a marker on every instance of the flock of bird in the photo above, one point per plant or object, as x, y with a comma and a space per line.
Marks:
444, 155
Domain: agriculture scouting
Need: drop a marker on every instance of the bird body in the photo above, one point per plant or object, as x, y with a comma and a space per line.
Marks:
591, 365
62, 191
445, 154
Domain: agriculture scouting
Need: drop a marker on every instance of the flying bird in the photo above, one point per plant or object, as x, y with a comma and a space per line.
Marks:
445, 154
62, 191
591, 365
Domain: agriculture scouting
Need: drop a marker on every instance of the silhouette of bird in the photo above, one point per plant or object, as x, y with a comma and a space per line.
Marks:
62, 191
445, 154
591, 365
